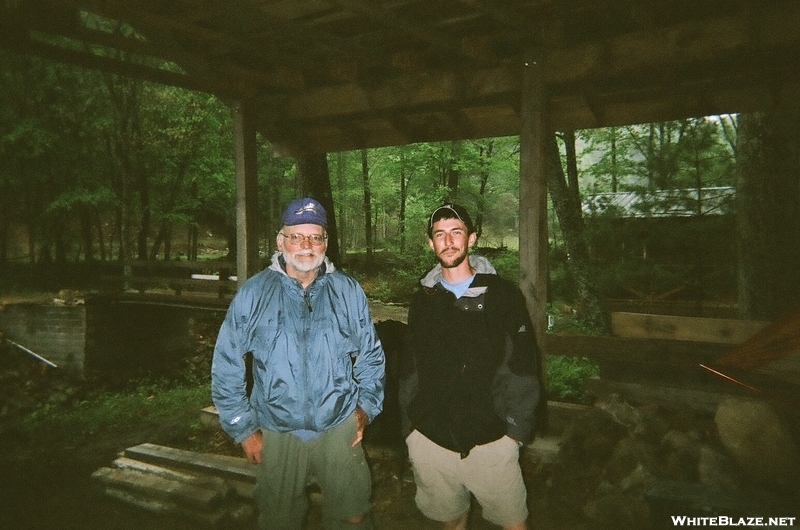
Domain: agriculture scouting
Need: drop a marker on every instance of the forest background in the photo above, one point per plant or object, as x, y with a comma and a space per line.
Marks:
97, 168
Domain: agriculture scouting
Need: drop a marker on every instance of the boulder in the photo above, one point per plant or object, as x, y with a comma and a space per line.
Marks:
760, 442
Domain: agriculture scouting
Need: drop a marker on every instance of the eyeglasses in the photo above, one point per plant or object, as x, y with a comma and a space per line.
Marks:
297, 239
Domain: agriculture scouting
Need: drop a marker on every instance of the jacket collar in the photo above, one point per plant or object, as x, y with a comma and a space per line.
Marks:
479, 263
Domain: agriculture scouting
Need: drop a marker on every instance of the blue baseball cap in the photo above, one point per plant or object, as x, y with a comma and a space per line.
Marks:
305, 211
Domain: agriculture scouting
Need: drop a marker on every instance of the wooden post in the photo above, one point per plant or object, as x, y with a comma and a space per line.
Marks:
534, 134
244, 136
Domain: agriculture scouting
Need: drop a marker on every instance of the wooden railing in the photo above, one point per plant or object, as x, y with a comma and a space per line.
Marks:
179, 277
669, 361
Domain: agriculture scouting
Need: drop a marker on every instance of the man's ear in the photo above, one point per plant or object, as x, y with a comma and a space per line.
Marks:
473, 237
430, 244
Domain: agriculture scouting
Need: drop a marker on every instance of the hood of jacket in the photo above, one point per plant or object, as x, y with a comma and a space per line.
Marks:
479, 263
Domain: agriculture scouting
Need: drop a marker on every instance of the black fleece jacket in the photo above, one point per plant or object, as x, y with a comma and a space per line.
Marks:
471, 372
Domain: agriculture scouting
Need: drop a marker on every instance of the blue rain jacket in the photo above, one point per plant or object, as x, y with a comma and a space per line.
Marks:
316, 354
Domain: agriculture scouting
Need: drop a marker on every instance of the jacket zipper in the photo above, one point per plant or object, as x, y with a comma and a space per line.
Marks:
308, 421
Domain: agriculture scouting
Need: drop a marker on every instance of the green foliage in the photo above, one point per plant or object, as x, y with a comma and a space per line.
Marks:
505, 261
146, 408
393, 277
97, 164
566, 377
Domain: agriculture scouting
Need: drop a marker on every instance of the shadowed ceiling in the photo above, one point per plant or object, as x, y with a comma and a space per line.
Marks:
324, 76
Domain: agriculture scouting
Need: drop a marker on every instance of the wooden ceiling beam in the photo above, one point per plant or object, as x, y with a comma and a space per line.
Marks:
128, 12
122, 68
286, 49
417, 29
493, 11
197, 65
673, 55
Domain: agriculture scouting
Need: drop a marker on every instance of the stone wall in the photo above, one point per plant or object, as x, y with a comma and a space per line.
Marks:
57, 333
101, 335
134, 337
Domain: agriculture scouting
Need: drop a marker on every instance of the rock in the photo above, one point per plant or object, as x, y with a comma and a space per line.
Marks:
681, 454
623, 413
716, 468
628, 457
760, 442
591, 437
638, 482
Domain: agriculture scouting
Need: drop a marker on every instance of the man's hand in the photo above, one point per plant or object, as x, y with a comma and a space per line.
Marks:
252, 447
361, 421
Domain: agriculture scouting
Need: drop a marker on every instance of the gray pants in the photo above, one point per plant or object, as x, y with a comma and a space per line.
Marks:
287, 462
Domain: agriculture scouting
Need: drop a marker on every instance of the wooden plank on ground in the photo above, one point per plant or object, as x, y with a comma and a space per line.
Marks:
159, 487
211, 519
717, 330
236, 468
210, 417
204, 481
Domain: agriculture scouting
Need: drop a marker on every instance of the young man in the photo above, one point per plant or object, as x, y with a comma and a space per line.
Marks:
473, 389
318, 376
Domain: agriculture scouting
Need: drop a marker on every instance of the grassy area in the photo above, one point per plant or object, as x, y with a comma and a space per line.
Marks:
169, 414
101, 424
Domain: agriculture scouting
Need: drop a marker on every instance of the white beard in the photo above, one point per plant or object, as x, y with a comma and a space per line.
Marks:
304, 265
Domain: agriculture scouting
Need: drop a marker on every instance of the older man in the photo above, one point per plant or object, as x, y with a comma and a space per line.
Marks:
318, 376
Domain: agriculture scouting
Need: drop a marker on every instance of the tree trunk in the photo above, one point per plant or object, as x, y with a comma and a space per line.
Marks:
453, 171
316, 183
194, 229
367, 205
486, 153
614, 168
567, 203
86, 233
403, 197
143, 185
341, 184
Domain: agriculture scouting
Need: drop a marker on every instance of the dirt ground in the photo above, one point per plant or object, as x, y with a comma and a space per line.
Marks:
58, 493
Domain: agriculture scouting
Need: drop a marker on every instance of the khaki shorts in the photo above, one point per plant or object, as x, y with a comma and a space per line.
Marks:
445, 481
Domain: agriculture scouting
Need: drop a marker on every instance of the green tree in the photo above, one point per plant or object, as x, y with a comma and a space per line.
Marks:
566, 198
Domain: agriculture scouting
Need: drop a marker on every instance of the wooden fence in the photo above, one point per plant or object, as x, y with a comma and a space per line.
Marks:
669, 361
177, 277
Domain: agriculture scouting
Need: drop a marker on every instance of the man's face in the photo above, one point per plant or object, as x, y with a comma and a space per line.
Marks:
450, 242
304, 255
